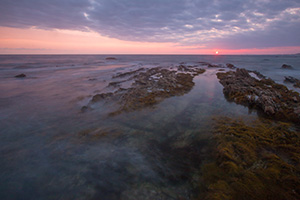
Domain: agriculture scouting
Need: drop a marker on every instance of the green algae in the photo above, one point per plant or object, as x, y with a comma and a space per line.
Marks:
260, 160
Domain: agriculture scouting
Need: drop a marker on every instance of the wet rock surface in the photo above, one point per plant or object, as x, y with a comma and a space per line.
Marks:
150, 87
275, 100
285, 66
121, 75
110, 58
231, 66
20, 76
294, 81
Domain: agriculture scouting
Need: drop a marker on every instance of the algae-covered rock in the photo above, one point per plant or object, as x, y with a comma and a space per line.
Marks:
150, 87
256, 161
275, 100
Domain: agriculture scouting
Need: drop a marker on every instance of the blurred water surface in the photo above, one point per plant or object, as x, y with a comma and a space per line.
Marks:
154, 153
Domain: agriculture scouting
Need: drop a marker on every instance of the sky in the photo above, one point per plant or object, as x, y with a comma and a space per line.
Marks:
149, 27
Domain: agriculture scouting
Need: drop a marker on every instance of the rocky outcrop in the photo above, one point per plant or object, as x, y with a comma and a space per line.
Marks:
121, 75
20, 76
294, 81
151, 87
231, 66
194, 70
110, 58
275, 100
285, 66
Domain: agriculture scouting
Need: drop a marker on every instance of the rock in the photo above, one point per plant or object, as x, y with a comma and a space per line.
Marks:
214, 66
231, 66
285, 66
290, 79
99, 97
269, 110
110, 58
128, 73
84, 108
20, 76
273, 99
243, 73
150, 87
182, 68
295, 99
258, 74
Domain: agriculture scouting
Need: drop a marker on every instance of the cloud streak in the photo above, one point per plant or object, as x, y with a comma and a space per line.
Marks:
234, 24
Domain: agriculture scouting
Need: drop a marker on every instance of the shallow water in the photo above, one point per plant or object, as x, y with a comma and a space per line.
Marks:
153, 153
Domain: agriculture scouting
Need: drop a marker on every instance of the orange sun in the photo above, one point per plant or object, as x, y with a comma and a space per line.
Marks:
217, 52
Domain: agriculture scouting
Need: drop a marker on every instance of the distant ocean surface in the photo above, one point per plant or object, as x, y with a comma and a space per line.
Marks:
269, 65
42, 153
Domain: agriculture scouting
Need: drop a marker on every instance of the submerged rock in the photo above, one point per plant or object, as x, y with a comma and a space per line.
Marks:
20, 76
84, 108
275, 100
285, 66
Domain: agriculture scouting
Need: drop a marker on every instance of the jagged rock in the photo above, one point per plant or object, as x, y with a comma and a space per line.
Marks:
231, 66
121, 75
290, 79
183, 68
285, 66
273, 99
258, 74
99, 97
20, 76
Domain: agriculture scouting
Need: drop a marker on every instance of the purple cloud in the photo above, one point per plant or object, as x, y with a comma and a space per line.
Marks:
230, 24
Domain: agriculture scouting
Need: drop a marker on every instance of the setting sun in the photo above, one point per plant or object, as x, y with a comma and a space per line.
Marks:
217, 52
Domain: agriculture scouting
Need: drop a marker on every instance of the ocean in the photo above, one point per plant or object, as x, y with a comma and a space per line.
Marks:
151, 153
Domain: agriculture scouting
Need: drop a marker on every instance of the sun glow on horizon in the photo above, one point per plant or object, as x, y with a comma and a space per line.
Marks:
60, 41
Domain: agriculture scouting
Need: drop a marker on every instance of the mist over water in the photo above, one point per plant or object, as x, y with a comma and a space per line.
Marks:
44, 153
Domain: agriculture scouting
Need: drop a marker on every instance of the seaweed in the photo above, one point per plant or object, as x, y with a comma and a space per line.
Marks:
260, 160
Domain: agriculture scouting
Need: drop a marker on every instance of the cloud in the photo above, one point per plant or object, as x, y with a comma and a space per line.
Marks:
215, 23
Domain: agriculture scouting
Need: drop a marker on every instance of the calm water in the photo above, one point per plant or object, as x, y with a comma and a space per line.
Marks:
154, 153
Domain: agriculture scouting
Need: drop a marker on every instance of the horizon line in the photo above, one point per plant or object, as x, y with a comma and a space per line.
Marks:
58, 54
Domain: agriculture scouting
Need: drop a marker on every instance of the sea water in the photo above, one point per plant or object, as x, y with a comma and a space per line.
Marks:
153, 153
